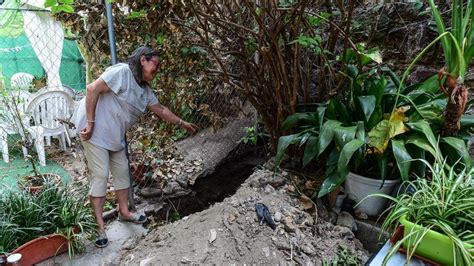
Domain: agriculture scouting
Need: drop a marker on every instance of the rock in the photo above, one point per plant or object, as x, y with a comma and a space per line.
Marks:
149, 192
231, 218
269, 189
308, 249
277, 217
153, 208
131, 243
185, 260
281, 244
266, 251
291, 188
147, 261
289, 224
262, 181
361, 215
182, 181
277, 181
254, 184
345, 219
212, 235
110, 214
343, 232
171, 187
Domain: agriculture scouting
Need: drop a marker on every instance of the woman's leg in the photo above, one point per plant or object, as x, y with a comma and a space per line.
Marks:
98, 165
121, 180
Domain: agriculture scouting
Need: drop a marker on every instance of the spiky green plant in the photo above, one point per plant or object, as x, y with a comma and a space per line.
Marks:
443, 204
25, 216
458, 48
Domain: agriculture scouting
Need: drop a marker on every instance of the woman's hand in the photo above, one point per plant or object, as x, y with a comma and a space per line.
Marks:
86, 133
190, 127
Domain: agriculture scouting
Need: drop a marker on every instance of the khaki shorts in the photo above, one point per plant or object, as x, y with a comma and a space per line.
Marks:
100, 161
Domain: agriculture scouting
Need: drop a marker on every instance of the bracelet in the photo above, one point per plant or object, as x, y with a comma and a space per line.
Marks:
180, 122
90, 121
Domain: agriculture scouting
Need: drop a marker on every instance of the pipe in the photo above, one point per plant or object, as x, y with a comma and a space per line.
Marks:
110, 27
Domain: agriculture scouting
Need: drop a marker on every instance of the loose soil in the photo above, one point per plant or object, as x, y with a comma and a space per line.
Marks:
229, 232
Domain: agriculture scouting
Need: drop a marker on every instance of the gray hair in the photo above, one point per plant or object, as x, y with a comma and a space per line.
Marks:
135, 64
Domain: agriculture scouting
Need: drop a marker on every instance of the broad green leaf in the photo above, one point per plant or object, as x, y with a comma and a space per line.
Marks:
460, 148
283, 143
321, 111
421, 142
67, 2
467, 122
311, 150
418, 167
382, 163
345, 157
327, 134
387, 129
341, 111
367, 104
304, 137
67, 8
344, 135
431, 111
377, 89
423, 127
330, 181
402, 157
372, 55
296, 118
50, 3
394, 78
360, 134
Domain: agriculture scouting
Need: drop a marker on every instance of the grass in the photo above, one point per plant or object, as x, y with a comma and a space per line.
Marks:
18, 167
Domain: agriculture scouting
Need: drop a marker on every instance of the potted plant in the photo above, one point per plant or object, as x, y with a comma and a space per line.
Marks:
371, 135
436, 215
54, 220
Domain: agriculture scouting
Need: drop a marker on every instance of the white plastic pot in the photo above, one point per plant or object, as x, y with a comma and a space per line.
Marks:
358, 187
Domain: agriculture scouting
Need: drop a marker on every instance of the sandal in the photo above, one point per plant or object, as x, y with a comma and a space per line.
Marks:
134, 218
101, 241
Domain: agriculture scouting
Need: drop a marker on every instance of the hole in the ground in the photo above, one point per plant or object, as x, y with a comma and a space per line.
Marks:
213, 188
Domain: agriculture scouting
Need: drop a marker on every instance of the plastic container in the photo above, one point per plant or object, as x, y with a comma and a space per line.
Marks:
14, 259
434, 246
358, 187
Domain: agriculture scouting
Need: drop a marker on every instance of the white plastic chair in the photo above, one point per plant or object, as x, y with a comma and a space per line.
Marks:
46, 110
14, 120
22, 81
72, 94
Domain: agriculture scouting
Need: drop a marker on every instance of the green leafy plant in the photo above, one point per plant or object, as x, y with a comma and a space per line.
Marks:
252, 134
376, 129
458, 48
58, 6
25, 216
442, 203
344, 256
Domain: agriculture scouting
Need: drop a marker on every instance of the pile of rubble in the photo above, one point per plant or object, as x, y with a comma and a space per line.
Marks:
230, 232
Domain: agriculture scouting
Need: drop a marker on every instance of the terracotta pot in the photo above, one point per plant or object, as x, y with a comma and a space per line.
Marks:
42, 248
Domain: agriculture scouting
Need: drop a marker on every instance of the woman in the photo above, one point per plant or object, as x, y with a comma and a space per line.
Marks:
113, 103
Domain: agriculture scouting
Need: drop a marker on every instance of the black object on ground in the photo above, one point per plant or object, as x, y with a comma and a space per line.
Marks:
263, 214
348, 206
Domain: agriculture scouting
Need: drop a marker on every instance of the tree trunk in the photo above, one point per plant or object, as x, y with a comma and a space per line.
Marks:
457, 99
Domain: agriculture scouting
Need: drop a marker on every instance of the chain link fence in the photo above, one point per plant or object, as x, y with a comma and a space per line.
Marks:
40, 56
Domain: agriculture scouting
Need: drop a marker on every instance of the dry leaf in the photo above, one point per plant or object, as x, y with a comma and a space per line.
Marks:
306, 202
